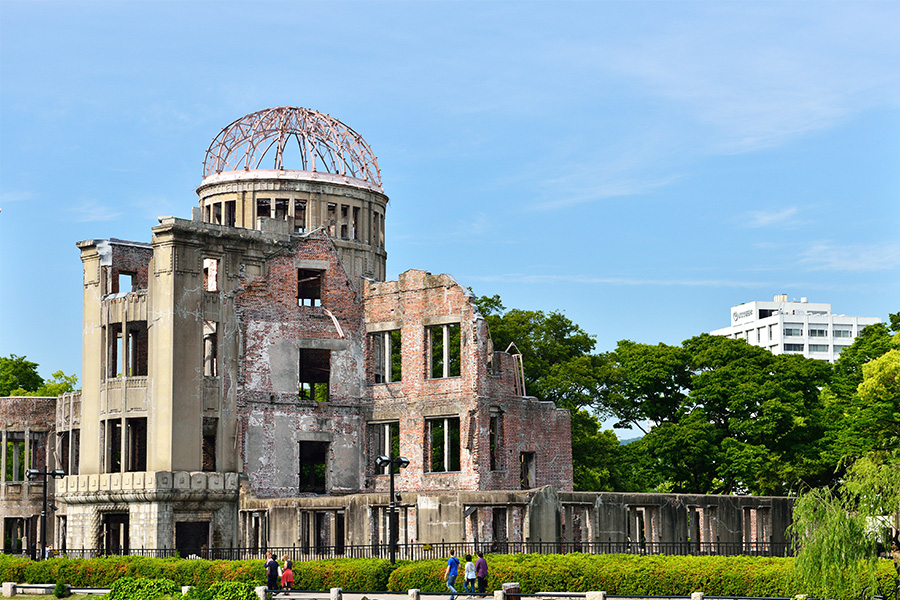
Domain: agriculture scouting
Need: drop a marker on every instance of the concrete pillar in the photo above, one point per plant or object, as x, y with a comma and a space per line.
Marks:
9, 589
337, 593
260, 592
595, 596
499, 595
697, 596
414, 594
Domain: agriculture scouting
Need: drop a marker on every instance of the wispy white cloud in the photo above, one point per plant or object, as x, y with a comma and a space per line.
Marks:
10, 197
617, 281
860, 257
768, 218
91, 211
576, 190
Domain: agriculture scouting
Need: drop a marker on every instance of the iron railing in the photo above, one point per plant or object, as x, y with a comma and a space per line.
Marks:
420, 551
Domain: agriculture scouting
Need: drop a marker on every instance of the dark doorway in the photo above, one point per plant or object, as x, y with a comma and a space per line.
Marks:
191, 538
339, 532
313, 458
115, 533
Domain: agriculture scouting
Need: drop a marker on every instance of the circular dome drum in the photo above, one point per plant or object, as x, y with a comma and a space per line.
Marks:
322, 144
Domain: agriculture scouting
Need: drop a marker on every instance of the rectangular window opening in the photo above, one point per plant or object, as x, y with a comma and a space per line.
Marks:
210, 426
384, 439
230, 213
136, 348
125, 283
281, 208
113, 445
217, 213
263, 208
210, 349
386, 357
309, 287
444, 350
345, 225
314, 374
527, 472
331, 217
793, 347
16, 457
211, 274
313, 461
300, 216
136, 459
443, 444
495, 438
355, 233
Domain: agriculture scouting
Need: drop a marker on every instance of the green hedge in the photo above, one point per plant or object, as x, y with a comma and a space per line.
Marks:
612, 573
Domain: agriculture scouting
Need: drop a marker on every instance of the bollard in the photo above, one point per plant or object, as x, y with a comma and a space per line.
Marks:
512, 591
337, 594
414, 594
597, 596
498, 595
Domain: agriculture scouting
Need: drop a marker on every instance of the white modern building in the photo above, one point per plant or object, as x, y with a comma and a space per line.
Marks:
787, 326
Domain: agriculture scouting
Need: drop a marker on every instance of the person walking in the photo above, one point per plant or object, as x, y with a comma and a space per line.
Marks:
271, 572
469, 581
481, 573
450, 574
287, 575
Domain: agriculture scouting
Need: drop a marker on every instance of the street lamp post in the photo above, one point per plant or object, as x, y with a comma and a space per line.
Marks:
31, 475
389, 461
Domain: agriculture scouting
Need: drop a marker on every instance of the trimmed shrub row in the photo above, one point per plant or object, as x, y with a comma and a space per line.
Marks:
613, 573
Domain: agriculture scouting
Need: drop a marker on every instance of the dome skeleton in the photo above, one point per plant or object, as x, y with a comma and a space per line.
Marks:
323, 143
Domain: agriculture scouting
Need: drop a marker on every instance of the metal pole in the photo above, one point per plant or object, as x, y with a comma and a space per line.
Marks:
44, 521
391, 532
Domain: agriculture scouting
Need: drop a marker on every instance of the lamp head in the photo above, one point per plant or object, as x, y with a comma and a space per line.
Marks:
32, 474
402, 462
382, 461
58, 473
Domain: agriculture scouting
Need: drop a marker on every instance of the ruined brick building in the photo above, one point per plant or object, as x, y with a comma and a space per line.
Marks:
242, 371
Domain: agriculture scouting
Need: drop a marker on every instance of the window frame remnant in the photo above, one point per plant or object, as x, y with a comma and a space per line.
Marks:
313, 467
527, 470
387, 358
443, 450
444, 359
384, 439
210, 274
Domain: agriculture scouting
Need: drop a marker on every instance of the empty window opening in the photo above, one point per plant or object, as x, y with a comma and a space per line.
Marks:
211, 274
136, 349
113, 446
125, 283
207, 213
210, 349
13, 534
313, 460
386, 357
75, 454
527, 473
345, 226
444, 350
300, 216
331, 217
217, 213
114, 533
136, 459
315, 372
384, 439
114, 352
17, 457
263, 208
498, 526
210, 426
354, 231
281, 208
230, 213
496, 435
309, 287
443, 447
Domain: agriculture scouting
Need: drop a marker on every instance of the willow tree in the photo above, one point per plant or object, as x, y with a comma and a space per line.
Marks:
837, 532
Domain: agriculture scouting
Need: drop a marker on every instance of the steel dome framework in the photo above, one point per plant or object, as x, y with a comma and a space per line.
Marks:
323, 142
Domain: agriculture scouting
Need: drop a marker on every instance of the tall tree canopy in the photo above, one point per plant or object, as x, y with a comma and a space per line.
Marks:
19, 377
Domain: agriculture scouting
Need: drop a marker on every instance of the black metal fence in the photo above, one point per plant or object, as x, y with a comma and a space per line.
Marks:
441, 550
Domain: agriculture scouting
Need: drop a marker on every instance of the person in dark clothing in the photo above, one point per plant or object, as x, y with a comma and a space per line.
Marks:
481, 573
271, 572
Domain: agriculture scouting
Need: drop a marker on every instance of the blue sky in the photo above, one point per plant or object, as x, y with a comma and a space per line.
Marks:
642, 166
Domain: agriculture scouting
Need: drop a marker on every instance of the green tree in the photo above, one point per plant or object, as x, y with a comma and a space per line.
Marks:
559, 366
18, 373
